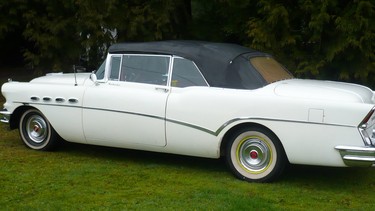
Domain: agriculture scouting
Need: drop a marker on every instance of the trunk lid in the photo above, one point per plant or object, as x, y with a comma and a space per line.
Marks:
325, 91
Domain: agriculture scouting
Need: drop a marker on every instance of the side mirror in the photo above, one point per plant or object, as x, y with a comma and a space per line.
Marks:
94, 78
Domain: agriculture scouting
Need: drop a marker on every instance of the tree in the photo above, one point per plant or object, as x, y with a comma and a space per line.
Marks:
11, 28
221, 20
327, 39
50, 27
62, 33
152, 20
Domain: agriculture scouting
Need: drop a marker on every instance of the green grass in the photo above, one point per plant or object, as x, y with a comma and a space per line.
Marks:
88, 177
83, 177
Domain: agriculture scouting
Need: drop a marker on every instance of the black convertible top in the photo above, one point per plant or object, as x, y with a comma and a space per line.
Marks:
214, 60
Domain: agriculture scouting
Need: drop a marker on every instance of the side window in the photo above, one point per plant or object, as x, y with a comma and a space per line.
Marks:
150, 69
115, 68
185, 73
100, 72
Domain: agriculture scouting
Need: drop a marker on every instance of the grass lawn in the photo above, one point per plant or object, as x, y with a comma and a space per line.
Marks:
82, 177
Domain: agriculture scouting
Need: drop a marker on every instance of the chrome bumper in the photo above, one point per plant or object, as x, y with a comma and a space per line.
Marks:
6, 116
357, 156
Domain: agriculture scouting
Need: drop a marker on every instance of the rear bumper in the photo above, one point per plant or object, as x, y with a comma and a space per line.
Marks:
5, 116
357, 156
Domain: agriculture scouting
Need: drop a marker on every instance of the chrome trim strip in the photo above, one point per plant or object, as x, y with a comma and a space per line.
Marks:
4, 120
222, 127
355, 148
6, 116
5, 112
48, 104
357, 156
276, 120
197, 127
193, 126
125, 112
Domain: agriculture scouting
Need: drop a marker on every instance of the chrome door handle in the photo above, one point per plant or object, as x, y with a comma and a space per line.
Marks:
162, 89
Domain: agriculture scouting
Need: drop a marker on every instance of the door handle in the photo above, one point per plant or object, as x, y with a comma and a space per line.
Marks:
162, 89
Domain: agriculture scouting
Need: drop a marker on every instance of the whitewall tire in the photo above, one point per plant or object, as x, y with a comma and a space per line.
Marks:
255, 154
36, 131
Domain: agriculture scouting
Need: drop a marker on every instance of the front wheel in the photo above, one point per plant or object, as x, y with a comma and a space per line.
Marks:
255, 155
36, 131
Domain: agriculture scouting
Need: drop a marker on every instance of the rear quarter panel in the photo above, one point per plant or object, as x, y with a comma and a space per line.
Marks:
211, 112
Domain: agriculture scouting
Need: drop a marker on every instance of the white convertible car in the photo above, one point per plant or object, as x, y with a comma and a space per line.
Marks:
199, 99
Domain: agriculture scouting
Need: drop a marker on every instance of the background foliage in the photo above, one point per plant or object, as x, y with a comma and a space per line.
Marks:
326, 39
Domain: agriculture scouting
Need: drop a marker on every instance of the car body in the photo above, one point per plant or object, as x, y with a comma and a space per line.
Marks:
200, 99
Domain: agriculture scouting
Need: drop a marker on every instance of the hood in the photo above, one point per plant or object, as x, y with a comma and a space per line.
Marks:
324, 90
62, 78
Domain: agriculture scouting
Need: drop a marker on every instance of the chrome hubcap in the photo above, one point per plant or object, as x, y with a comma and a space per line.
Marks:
36, 128
254, 154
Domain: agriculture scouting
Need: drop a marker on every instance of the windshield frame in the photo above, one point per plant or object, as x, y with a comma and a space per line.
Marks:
101, 71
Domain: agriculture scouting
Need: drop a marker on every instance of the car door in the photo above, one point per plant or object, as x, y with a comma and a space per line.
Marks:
128, 107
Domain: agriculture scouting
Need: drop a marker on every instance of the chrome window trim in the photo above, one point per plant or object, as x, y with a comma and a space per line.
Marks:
110, 67
153, 55
170, 69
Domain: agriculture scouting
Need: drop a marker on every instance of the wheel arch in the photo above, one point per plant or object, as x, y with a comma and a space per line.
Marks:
16, 115
231, 131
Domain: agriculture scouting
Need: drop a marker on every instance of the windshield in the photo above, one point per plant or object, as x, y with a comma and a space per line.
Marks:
270, 69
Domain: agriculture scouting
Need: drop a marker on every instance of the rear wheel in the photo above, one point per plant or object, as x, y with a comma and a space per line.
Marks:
256, 155
36, 131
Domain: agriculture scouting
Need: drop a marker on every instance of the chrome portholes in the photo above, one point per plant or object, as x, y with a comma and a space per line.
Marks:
59, 100
73, 100
36, 128
47, 99
34, 98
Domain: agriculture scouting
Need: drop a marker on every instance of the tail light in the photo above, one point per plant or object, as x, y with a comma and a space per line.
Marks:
367, 128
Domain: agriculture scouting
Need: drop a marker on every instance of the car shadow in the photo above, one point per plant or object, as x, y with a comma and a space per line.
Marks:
143, 157
298, 175
328, 177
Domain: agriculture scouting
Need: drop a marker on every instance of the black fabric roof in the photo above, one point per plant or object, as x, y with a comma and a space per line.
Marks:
213, 59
